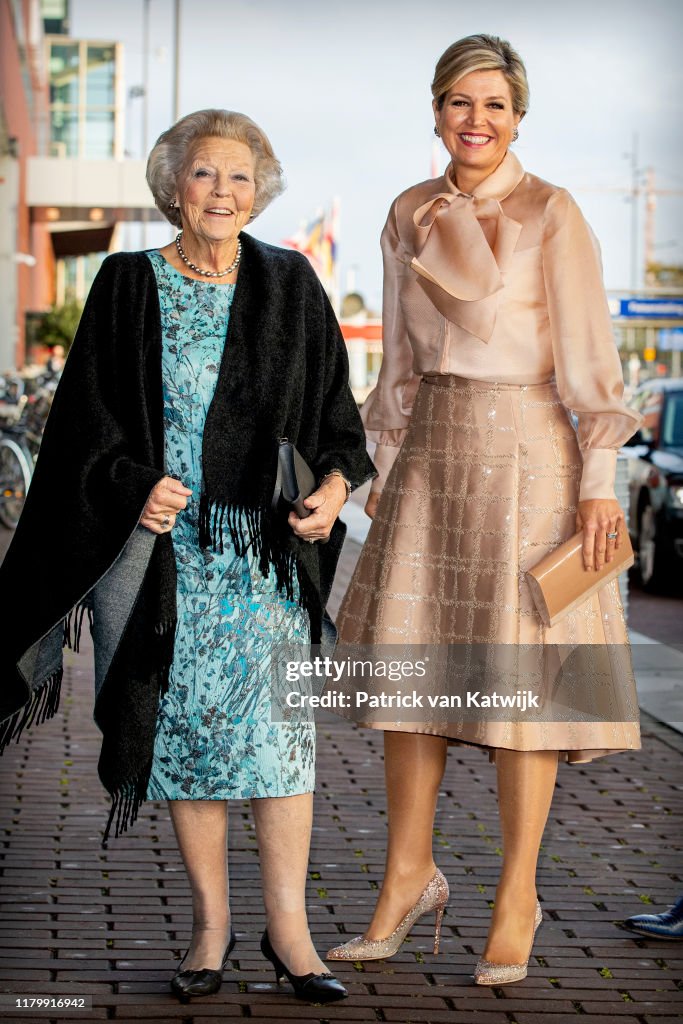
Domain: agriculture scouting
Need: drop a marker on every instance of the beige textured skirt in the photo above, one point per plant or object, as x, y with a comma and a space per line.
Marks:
485, 484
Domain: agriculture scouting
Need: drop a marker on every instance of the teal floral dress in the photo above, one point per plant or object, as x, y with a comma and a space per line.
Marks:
214, 738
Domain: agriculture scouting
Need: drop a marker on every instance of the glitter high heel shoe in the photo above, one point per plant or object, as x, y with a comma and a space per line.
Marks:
433, 897
488, 973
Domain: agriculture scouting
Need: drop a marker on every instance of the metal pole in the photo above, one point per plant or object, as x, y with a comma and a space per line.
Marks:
145, 104
650, 209
145, 78
635, 194
176, 61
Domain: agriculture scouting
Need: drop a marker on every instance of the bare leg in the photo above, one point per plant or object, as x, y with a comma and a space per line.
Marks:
283, 830
414, 764
201, 828
526, 780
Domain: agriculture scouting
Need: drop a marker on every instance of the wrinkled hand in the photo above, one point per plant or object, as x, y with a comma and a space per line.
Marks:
599, 517
327, 502
167, 498
372, 503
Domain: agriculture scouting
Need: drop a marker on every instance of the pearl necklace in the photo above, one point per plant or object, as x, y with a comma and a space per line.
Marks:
209, 273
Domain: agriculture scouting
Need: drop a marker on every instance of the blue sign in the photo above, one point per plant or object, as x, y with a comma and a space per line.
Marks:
670, 340
664, 309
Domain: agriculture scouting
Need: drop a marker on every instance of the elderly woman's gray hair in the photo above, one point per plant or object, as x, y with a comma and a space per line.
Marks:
170, 154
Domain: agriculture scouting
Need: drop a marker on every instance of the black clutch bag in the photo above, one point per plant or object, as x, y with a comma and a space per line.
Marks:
294, 480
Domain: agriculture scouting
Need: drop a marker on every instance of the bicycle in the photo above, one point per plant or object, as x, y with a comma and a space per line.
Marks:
21, 429
16, 470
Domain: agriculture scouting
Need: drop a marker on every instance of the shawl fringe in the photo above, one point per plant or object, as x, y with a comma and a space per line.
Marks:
43, 704
165, 627
166, 632
73, 625
126, 801
253, 528
238, 519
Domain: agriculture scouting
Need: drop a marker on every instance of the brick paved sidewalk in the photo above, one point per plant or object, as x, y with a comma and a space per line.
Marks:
111, 924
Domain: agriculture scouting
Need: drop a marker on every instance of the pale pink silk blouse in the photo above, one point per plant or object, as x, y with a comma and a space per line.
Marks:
503, 285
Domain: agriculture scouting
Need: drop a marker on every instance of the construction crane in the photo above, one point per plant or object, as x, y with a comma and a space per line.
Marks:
651, 194
642, 183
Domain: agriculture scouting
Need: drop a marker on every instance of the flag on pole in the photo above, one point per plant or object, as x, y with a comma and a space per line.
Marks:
309, 240
330, 274
318, 240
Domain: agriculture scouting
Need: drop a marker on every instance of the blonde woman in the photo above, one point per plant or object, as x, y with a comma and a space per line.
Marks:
495, 327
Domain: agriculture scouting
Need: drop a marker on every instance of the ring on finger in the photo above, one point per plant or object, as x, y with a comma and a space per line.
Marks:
166, 521
613, 535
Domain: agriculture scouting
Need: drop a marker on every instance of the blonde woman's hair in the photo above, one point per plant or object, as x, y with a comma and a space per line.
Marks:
169, 156
482, 53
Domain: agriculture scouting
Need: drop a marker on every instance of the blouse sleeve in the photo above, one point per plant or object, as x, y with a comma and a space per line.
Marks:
587, 365
387, 410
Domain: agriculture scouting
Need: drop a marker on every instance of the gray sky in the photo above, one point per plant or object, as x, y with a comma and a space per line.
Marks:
342, 90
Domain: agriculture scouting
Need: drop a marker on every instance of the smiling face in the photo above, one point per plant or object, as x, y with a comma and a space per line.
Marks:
216, 192
476, 122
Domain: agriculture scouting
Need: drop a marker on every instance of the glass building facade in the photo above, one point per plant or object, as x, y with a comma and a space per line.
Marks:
55, 14
86, 119
85, 114
75, 275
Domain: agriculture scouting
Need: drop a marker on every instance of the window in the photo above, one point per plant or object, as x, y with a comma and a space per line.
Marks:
55, 15
672, 421
650, 407
64, 133
100, 76
83, 86
64, 76
99, 134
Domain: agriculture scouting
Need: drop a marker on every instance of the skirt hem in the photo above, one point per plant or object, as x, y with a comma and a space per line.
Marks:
578, 755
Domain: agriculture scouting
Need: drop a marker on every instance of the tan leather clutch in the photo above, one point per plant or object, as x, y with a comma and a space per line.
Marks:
559, 583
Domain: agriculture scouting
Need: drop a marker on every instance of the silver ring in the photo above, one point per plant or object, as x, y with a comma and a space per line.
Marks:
166, 521
310, 540
612, 536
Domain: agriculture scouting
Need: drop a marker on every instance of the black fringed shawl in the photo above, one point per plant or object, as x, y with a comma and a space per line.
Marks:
284, 372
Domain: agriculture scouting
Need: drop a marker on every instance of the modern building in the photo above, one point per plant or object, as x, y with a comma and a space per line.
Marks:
26, 262
85, 124
65, 186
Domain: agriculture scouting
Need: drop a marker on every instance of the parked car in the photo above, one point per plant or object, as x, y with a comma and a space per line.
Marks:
655, 455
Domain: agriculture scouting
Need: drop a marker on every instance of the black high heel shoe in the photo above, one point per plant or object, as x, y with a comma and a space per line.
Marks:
315, 988
203, 982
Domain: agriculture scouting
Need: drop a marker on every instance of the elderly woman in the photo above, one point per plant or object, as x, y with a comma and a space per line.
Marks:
156, 474
495, 327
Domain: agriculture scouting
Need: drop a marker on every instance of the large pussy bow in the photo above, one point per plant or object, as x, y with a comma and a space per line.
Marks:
463, 246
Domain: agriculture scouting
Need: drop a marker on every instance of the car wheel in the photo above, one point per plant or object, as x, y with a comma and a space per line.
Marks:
651, 564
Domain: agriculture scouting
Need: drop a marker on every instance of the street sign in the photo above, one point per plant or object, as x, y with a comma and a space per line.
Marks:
664, 309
